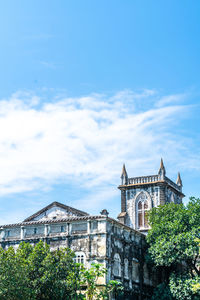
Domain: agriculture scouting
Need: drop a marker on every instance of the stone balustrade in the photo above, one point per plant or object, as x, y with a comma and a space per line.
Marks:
150, 179
143, 179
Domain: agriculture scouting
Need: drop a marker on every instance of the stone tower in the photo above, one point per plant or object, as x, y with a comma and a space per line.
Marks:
139, 194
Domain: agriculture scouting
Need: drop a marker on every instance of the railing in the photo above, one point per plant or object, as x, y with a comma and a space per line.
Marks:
143, 179
152, 178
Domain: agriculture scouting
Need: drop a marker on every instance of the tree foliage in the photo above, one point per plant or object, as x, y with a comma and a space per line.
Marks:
196, 285
173, 243
162, 292
90, 279
36, 273
181, 286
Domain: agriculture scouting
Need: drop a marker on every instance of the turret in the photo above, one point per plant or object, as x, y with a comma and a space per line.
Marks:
124, 176
162, 171
179, 181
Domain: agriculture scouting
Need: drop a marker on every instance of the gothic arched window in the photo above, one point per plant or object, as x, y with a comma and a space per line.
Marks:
135, 270
117, 265
126, 268
142, 208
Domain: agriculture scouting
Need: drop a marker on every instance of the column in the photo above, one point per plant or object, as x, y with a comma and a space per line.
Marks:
22, 232
2, 234
46, 229
70, 229
88, 226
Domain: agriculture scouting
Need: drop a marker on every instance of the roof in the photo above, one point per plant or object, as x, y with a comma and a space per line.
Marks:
122, 214
71, 219
58, 204
67, 219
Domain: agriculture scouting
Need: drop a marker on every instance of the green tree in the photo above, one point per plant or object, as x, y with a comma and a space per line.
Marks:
14, 276
172, 241
53, 275
90, 279
36, 273
181, 286
94, 289
162, 292
196, 285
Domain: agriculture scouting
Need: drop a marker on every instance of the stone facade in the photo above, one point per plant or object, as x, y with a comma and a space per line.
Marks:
93, 239
118, 245
139, 194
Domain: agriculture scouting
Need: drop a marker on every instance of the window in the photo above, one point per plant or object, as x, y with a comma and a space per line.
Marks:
35, 230
8, 233
79, 227
135, 270
80, 258
94, 225
172, 197
62, 228
142, 208
126, 268
117, 265
146, 274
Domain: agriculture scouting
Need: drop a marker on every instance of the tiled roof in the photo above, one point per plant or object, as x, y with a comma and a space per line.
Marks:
49, 221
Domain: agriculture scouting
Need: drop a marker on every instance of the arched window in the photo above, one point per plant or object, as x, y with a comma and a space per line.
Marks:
135, 270
117, 265
126, 268
80, 257
140, 214
145, 214
142, 208
146, 274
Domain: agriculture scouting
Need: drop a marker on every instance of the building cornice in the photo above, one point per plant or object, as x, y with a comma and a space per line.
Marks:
70, 220
157, 182
54, 221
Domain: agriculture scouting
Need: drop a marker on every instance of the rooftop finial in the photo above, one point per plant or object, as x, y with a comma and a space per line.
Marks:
161, 171
179, 181
124, 175
104, 212
161, 164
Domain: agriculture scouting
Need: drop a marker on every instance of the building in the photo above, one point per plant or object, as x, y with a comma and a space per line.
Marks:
117, 244
139, 194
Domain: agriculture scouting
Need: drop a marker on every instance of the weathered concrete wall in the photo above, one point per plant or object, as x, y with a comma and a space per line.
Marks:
125, 260
95, 239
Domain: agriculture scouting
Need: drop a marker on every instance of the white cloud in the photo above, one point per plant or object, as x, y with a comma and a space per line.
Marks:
83, 140
170, 99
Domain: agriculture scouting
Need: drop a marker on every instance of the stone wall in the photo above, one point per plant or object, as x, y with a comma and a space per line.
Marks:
97, 239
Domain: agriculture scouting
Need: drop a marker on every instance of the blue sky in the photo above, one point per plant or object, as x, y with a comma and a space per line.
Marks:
89, 85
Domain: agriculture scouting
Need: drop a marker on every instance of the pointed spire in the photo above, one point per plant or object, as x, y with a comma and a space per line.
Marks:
162, 171
161, 164
179, 181
124, 175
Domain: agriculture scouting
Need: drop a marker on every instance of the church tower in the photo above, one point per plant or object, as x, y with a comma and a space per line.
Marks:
139, 194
